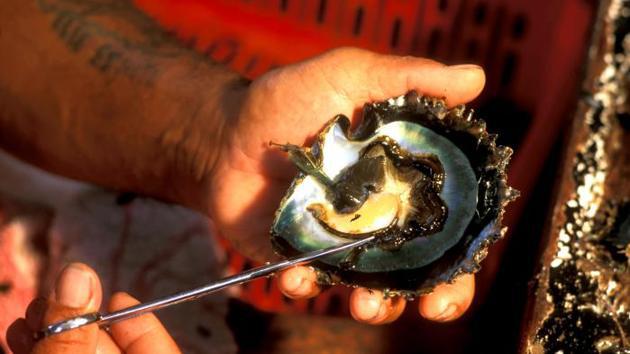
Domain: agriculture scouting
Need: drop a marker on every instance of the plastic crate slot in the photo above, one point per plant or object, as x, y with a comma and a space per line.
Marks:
456, 29
358, 21
480, 14
284, 5
415, 44
434, 41
519, 26
396, 28
321, 11
472, 49
416, 36
494, 42
508, 69
443, 5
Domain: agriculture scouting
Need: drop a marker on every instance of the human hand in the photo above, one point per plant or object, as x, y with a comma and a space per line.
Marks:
291, 105
78, 291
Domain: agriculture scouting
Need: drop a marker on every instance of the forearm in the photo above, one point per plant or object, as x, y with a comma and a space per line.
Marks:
95, 91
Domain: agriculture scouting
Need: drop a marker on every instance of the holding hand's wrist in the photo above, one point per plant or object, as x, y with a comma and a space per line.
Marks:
194, 144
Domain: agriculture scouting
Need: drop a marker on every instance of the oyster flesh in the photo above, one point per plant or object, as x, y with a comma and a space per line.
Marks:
428, 181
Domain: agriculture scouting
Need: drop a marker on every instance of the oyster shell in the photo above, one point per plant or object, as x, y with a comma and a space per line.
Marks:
429, 181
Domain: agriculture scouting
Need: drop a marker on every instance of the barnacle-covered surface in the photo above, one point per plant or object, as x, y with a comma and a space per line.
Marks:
583, 296
474, 192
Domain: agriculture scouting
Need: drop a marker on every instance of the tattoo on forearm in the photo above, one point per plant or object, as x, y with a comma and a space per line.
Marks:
88, 27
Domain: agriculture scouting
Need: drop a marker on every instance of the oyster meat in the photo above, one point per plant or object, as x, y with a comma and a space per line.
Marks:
428, 181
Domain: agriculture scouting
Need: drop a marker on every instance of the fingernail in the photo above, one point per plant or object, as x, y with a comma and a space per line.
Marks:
74, 287
295, 285
465, 67
372, 304
447, 314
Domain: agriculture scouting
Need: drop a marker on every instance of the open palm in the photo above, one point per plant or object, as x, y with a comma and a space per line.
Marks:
291, 105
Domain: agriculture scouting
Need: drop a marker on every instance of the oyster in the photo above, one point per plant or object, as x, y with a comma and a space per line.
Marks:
428, 181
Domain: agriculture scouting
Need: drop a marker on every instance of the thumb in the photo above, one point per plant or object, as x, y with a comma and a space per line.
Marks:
77, 292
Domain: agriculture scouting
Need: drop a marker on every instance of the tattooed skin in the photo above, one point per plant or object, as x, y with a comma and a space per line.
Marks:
85, 27
97, 91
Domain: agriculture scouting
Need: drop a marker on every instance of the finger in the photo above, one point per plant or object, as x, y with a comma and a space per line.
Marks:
391, 76
140, 335
19, 337
370, 306
399, 75
448, 302
35, 313
299, 283
77, 291
105, 344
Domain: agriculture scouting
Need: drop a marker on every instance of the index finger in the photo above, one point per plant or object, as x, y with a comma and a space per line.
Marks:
140, 335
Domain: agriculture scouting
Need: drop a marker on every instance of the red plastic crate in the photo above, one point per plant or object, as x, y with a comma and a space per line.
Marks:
532, 51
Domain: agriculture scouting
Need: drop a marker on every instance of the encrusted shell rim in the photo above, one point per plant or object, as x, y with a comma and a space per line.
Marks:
458, 119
